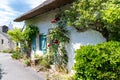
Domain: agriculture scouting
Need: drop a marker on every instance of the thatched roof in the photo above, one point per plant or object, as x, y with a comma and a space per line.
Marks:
44, 7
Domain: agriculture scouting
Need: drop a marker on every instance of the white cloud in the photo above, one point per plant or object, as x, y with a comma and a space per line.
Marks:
8, 14
34, 3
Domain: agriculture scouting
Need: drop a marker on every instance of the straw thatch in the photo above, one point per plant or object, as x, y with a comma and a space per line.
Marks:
44, 7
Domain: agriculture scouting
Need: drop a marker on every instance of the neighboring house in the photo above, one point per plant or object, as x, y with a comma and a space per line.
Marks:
41, 17
5, 42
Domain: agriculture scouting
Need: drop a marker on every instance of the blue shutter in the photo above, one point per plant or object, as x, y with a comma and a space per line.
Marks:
43, 42
34, 43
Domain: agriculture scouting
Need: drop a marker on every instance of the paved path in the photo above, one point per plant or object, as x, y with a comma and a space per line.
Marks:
14, 70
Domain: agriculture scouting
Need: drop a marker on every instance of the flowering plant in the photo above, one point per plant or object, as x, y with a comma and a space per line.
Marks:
58, 37
53, 21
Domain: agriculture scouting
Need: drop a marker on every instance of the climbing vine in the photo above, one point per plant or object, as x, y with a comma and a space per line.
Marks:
101, 15
58, 38
29, 33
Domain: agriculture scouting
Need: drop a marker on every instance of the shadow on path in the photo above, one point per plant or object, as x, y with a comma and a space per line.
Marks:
1, 72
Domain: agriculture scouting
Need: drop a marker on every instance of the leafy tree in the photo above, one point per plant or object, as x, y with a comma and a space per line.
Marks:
24, 37
103, 15
16, 35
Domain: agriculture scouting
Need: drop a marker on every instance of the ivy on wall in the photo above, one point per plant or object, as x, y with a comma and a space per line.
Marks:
29, 33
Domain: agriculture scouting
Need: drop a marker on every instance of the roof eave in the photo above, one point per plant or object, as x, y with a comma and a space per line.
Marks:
45, 7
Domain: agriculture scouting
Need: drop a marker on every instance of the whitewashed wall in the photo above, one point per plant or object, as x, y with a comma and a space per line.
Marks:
76, 38
43, 22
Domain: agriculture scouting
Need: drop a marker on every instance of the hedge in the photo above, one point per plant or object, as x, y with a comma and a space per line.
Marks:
98, 62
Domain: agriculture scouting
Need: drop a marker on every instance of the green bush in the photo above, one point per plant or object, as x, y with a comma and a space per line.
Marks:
45, 62
27, 61
16, 55
99, 62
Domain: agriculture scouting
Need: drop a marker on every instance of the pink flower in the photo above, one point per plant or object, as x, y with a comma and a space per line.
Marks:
56, 41
53, 21
49, 45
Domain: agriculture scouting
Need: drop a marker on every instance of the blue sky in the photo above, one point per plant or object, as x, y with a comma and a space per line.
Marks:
11, 9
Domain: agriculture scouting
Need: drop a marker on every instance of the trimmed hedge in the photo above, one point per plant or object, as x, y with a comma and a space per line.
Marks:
99, 62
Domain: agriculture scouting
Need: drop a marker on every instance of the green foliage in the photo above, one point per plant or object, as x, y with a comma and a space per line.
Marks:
16, 55
100, 62
29, 32
102, 14
9, 51
27, 61
58, 38
45, 62
16, 35
36, 56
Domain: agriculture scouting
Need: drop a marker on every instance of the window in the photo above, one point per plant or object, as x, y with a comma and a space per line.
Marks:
42, 42
2, 41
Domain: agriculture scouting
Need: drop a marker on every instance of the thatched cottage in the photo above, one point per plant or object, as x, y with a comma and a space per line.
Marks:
41, 17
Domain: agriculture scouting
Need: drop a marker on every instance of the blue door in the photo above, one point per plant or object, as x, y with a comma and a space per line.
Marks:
42, 43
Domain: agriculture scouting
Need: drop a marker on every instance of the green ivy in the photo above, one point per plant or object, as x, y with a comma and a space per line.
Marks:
29, 32
99, 62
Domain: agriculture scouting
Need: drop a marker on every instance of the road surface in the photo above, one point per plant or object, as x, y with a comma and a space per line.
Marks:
14, 70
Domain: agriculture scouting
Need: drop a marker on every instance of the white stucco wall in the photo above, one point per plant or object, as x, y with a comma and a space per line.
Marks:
43, 22
76, 38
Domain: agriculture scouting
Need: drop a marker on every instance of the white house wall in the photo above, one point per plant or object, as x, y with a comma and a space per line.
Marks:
76, 38
43, 22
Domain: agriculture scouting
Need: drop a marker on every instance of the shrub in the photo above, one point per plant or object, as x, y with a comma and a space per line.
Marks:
99, 62
16, 55
36, 56
45, 62
27, 61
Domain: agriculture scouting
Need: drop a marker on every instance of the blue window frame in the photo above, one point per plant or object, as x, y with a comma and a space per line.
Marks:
42, 42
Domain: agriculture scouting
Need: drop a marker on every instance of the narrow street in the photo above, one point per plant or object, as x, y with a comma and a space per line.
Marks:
14, 70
